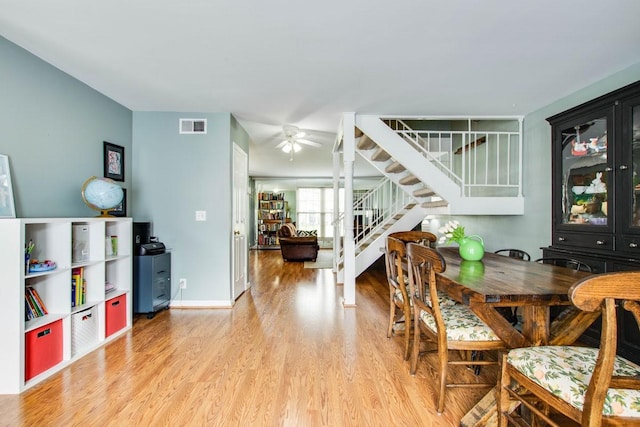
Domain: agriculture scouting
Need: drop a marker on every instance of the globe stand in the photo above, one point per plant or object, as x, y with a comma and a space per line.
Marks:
105, 214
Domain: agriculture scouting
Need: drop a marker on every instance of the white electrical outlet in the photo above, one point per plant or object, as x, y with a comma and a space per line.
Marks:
183, 283
201, 215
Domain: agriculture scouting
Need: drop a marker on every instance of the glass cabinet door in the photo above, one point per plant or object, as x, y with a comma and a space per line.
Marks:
628, 169
585, 173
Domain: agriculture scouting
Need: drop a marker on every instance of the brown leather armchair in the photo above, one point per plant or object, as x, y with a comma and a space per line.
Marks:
295, 247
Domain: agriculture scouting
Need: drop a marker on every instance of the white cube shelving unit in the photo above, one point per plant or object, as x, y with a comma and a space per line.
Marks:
53, 239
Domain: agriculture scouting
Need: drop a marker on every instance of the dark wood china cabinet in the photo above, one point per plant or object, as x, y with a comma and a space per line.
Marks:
596, 193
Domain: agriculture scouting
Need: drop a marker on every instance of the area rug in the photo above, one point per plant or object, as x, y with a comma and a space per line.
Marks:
324, 260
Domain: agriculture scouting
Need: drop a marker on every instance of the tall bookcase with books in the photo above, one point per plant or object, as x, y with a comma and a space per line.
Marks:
66, 290
272, 213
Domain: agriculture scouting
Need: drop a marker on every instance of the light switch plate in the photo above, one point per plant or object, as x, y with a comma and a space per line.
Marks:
201, 215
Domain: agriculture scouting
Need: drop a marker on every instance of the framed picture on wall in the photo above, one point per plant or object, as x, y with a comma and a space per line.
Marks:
113, 161
121, 209
7, 205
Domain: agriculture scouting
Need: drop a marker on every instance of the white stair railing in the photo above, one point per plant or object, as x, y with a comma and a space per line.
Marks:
377, 207
483, 163
374, 209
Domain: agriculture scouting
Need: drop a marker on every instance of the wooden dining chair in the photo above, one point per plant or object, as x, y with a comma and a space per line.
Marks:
590, 386
449, 327
400, 304
400, 307
423, 237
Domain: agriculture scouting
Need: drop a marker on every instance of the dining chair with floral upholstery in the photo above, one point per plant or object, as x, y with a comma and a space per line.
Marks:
587, 386
400, 304
400, 308
456, 331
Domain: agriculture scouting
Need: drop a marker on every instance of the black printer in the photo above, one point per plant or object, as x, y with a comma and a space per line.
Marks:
152, 248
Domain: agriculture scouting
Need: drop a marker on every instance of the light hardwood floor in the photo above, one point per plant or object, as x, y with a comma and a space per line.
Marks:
287, 354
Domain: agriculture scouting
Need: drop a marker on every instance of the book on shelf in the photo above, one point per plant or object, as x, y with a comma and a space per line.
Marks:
78, 287
34, 306
109, 287
28, 313
36, 296
270, 196
73, 291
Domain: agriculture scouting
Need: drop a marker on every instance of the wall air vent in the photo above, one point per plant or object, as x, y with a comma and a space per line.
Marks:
193, 125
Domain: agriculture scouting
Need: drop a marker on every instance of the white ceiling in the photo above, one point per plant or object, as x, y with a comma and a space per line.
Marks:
305, 63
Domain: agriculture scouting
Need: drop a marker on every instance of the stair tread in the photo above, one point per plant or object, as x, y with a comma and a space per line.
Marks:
380, 155
409, 180
395, 167
424, 192
435, 204
366, 143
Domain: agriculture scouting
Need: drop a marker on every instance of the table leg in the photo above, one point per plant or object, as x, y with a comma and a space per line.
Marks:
501, 326
570, 324
535, 324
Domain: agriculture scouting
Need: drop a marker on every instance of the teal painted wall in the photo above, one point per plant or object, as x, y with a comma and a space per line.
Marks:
52, 127
532, 230
176, 175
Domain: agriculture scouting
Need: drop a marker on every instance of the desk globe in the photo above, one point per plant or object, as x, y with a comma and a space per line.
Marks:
102, 194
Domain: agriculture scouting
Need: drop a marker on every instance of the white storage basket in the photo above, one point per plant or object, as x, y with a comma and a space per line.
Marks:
84, 330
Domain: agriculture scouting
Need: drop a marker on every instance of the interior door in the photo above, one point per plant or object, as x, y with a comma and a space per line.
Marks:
240, 221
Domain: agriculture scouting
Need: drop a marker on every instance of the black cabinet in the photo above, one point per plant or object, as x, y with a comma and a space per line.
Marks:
596, 193
151, 283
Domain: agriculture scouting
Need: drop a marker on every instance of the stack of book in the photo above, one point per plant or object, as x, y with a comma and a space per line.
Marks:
78, 287
109, 287
34, 307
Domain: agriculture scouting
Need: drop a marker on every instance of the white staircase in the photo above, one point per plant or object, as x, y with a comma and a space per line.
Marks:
445, 165
463, 172
382, 210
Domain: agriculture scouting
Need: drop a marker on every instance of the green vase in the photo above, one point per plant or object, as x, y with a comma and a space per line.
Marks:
471, 248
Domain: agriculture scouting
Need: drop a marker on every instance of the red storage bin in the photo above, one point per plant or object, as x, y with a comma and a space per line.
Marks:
43, 349
116, 314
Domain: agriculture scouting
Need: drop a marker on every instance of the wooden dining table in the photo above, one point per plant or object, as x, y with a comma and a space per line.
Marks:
501, 281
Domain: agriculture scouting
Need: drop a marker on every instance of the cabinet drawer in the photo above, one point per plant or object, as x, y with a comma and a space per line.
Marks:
43, 349
600, 242
629, 245
162, 265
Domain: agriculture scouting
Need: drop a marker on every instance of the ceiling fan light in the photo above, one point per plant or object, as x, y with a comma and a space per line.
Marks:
286, 148
296, 147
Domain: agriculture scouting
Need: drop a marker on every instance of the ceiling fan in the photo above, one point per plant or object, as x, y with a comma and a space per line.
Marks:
293, 138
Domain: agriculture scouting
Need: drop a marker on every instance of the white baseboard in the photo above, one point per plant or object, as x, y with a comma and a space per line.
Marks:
200, 304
